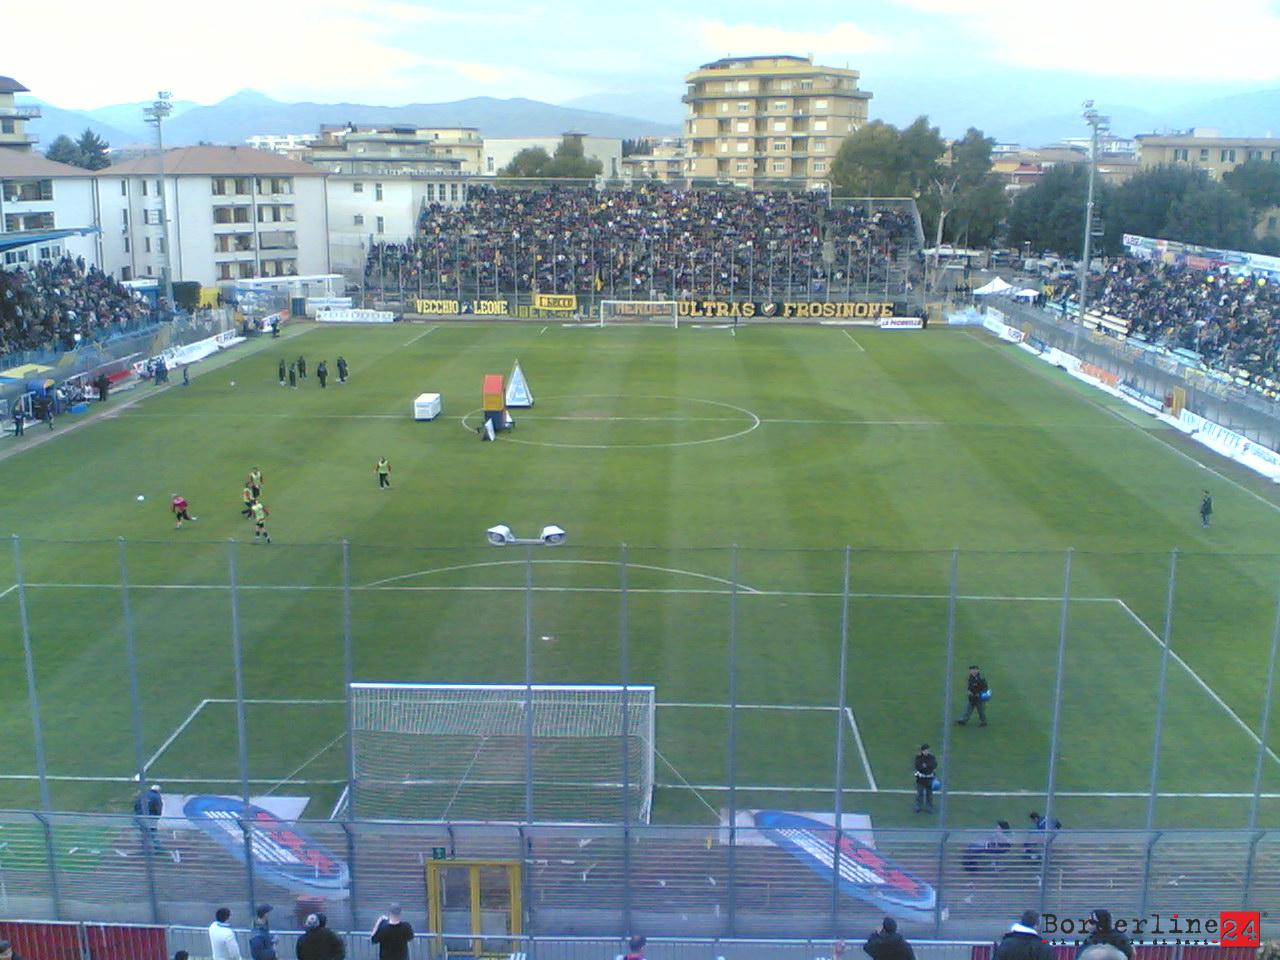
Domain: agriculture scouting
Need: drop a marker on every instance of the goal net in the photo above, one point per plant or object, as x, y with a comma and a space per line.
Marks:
459, 751
661, 312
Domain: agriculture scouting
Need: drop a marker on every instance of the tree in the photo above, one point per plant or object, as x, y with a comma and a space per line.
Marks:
568, 162
1050, 215
529, 162
869, 163
979, 204
1258, 182
1179, 203
64, 150
94, 151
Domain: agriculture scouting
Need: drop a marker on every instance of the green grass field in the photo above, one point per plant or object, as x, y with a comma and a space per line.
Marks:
790, 443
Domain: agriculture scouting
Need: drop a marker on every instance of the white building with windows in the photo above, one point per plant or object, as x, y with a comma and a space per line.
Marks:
40, 199
234, 213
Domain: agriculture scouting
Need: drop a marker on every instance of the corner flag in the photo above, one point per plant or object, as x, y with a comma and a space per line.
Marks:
518, 393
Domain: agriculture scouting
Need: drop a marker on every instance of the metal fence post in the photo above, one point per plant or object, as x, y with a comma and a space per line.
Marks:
348, 677
1145, 896
135, 717
841, 704
246, 829
732, 904
33, 697
55, 888
528, 685
1055, 733
624, 666
1157, 740
237, 656
948, 704
1265, 729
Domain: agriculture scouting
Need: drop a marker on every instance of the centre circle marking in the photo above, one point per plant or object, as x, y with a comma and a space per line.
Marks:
754, 423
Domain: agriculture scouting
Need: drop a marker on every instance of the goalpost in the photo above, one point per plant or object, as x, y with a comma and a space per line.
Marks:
651, 312
456, 751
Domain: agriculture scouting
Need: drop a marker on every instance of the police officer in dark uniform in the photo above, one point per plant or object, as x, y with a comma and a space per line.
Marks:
925, 765
977, 697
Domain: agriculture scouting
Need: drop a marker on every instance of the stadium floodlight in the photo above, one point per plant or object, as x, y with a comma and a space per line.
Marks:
501, 536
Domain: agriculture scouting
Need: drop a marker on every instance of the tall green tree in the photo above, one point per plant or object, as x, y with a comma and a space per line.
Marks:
568, 162
1258, 182
64, 150
94, 151
869, 163
571, 162
979, 203
1050, 215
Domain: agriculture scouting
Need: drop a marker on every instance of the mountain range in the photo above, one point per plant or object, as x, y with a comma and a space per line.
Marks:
1011, 113
249, 113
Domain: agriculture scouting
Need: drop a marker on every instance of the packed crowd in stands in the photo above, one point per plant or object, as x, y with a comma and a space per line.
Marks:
643, 244
1233, 322
47, 304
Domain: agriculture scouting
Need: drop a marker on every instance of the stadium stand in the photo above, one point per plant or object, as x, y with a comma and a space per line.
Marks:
638, 243
1231, 321
48, 304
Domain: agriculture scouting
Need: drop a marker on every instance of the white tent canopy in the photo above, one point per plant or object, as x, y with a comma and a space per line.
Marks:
995, 288
1025, 294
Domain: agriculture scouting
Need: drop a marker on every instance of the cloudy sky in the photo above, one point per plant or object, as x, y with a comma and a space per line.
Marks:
400, 51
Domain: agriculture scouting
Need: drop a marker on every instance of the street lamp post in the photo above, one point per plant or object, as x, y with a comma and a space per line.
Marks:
1097, 123
156, 114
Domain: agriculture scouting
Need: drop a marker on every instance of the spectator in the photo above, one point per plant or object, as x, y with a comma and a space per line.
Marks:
318, 942
392, 935
887, 943
1023, 941
222, 939
635, 948
262, 942
640, 244
1104, 932
7, 951
1100, 951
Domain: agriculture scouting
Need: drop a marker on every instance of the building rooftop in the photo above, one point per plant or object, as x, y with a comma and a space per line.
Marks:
22, 163
10, 85
726, 63
1201, 139
214, 161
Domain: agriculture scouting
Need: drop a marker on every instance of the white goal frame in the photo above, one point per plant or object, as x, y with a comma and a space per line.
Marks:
487, 766
639, 313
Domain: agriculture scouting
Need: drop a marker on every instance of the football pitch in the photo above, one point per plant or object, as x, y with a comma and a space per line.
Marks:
790, 443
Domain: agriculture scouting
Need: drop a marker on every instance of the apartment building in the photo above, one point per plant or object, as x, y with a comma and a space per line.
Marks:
46, 201
662, 160
776, 118
234, 213
500, 151
1205, 149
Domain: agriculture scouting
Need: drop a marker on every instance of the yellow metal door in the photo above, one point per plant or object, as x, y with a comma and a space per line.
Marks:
473, 907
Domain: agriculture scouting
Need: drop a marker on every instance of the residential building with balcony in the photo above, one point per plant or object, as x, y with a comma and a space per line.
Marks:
14, 116
663, 160
776, 118
234, 213
44, 201
1204, 149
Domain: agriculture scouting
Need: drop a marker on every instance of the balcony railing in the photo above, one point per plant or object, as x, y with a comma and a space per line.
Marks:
18, 112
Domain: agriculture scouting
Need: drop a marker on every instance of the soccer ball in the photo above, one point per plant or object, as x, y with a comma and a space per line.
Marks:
141, 498
233, 383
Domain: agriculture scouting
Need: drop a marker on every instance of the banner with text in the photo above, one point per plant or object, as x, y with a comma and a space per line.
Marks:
461, 308
787, 310
555, 302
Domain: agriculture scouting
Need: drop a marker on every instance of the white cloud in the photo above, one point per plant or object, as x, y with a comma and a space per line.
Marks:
743, 39
1179, 40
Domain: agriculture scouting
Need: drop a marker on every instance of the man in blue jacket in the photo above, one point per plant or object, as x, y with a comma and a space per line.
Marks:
262, 942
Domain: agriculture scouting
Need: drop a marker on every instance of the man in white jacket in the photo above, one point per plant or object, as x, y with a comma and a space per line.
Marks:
222, 939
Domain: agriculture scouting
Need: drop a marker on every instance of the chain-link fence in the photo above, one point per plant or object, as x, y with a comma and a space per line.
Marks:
1132, 704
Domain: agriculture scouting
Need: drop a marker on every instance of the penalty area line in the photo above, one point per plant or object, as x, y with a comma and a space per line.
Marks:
1199, 680
419, 336
176, 733
853, 341
862, 750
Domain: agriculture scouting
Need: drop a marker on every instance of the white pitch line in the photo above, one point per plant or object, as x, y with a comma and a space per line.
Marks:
542, 331
1064, 385
855, 342
860, 423
746, 706
862, 750
1213, 695
174, 736
420, 336
603, 563
907, 792
68, 778
8, 591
